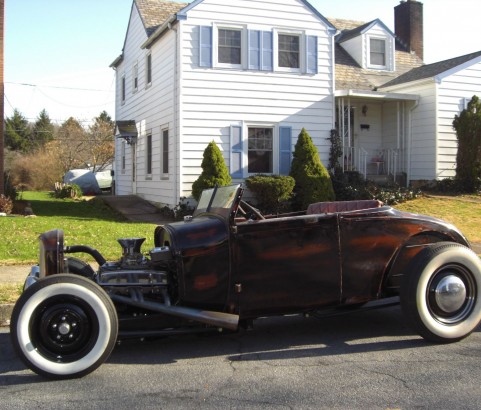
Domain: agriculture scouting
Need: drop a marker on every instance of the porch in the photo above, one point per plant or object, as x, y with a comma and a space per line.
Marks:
375, 134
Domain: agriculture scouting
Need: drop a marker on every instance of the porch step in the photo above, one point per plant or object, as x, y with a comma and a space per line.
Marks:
379, 179
384, 179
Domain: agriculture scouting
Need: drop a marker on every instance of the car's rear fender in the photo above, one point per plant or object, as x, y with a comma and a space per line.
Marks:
396, 269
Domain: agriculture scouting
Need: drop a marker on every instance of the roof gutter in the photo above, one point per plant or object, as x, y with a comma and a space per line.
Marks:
161, 29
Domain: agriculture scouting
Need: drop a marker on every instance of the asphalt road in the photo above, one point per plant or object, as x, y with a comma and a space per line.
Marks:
366, 360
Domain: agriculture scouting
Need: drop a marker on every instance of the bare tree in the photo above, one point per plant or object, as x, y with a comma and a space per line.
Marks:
100, 148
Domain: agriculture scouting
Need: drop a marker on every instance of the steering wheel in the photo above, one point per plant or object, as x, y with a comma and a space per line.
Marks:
250, 210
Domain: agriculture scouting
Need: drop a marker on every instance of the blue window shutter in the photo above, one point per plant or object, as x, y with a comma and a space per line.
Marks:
205, 46
236, 152
267, 56
311, 57
254, 49
285, 144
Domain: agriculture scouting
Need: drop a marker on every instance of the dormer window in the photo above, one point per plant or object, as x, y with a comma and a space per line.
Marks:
377, 52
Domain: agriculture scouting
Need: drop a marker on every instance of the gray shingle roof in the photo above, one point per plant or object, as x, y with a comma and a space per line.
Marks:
432, 70
154, 12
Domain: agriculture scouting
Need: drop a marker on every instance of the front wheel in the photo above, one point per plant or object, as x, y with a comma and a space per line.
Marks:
64, 326
440, 293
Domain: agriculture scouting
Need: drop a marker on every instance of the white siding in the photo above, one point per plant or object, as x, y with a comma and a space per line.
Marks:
452, 93
214, 99
150, 105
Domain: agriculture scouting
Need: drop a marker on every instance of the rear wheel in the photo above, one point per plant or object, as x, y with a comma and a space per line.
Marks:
440, 295
64, 326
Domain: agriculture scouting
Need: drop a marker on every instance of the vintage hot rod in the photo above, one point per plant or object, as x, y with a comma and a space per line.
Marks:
228, 264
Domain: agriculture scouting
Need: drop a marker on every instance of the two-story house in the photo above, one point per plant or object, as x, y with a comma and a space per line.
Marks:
249, 75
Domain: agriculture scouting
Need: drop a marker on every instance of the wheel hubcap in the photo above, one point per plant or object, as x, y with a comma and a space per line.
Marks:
450, 293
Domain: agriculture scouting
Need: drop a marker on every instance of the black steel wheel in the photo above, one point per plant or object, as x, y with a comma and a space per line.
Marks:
64, 326
440, 292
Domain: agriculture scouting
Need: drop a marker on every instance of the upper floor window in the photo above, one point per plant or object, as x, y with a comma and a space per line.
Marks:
289, 51
230, 46
135, 78
148, 69
243, 48
377, 52
122, 88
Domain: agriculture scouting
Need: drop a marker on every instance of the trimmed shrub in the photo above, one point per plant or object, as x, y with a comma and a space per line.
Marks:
271, 191
313, 182
67, 191
214, 171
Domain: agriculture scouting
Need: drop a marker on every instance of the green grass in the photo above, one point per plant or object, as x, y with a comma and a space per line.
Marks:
84, 222
464, 212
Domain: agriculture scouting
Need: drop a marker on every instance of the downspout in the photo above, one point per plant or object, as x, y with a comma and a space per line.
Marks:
176, 160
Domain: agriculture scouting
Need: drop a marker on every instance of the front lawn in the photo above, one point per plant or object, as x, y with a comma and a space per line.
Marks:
85, 222
464, 212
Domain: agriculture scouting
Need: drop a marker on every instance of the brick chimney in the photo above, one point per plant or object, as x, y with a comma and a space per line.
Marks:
408, 25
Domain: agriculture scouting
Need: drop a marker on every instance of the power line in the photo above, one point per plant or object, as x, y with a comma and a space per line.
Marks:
59, 87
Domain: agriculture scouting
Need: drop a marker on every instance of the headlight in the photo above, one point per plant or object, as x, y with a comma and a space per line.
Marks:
51, 259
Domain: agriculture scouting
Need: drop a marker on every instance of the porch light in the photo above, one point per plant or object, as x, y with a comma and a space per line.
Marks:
127, 130
364, 110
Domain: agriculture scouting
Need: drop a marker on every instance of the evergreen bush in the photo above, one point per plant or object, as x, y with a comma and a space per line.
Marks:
313, 182
271, 191
468, 159
214, 171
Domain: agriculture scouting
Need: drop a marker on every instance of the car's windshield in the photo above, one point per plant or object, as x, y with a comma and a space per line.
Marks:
217, 200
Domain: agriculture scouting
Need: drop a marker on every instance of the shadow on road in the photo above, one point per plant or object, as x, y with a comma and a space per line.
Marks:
292, 337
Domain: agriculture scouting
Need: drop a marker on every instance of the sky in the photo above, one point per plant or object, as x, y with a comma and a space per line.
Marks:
58, 52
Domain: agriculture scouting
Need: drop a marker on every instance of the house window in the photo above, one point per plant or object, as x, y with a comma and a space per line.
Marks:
230, 46
165, 151
148, 69
122, 155
289, 51
135, 78
260, 150
149, 154
122, 88
377, 52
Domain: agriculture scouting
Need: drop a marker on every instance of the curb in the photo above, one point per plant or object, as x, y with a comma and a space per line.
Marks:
6, 314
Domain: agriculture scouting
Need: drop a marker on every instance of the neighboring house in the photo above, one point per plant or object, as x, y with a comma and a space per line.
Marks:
250, 74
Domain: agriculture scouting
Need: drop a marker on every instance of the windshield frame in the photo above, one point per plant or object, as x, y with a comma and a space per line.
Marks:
220, 200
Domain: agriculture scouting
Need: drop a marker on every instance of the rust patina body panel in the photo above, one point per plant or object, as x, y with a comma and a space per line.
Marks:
296, 262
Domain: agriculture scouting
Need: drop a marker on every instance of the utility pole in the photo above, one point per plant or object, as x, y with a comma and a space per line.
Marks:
2, 97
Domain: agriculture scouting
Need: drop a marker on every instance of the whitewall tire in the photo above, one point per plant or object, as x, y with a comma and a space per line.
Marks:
64, 326
440, 294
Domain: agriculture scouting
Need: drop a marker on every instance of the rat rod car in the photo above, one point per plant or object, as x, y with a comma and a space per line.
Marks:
229, 264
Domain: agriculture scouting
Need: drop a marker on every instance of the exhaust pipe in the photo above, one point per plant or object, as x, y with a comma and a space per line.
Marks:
219, 319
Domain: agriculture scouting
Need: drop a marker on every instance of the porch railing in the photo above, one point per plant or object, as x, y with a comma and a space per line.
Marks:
355, 159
